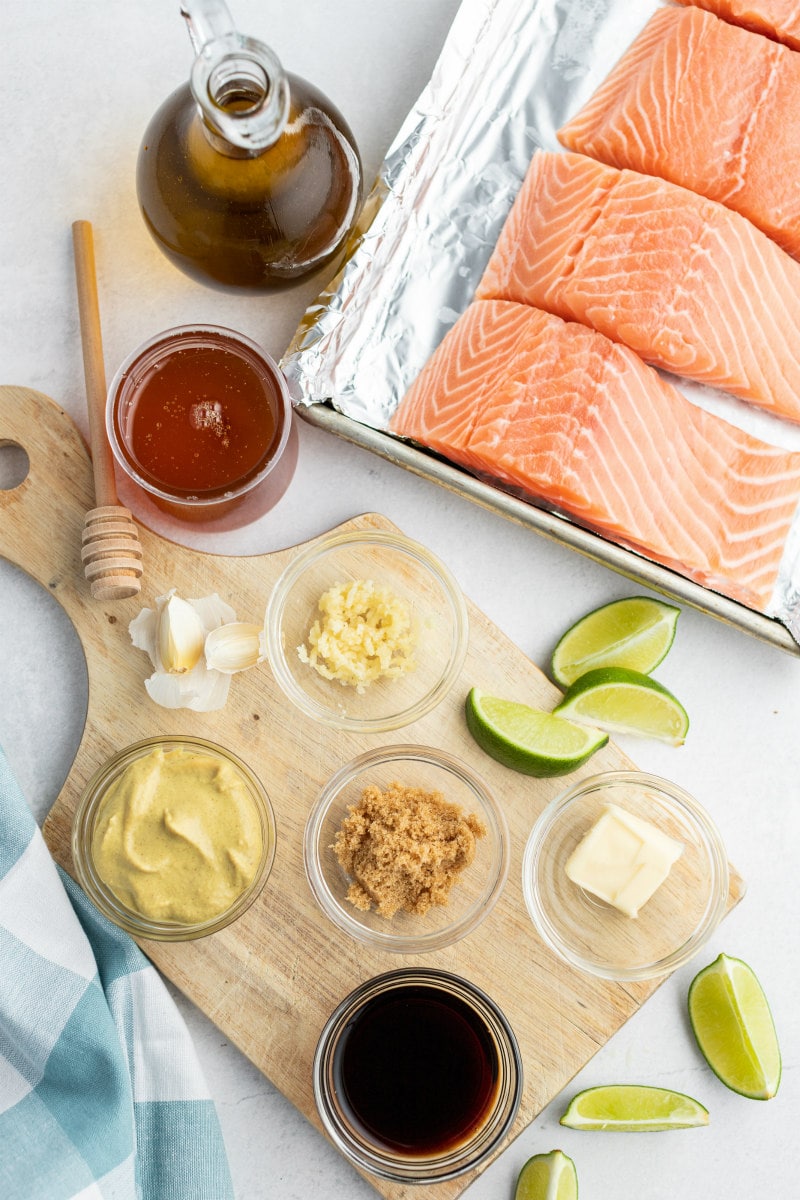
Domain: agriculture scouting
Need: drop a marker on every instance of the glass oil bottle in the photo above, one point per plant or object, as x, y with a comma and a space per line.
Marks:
248, 176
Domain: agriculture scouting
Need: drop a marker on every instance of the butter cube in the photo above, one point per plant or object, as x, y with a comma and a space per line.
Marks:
623, 859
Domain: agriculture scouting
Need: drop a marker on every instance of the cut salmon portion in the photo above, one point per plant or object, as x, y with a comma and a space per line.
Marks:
689, 285
709, 106
778, 19
580, 423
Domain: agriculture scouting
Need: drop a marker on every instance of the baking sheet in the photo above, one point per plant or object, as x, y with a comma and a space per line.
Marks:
508, 77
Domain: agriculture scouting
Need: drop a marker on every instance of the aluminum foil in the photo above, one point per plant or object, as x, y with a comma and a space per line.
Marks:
510, 74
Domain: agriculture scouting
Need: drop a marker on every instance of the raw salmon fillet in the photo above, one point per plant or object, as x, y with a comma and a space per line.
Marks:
568, 417
779, 19
709, 106
691, 286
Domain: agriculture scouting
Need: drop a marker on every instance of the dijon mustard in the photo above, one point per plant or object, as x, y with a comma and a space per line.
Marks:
178, 836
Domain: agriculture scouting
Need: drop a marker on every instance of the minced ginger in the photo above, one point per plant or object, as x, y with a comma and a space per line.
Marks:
364, 633
404, 849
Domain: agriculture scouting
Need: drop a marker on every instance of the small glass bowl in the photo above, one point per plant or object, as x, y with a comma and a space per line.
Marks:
439, 619
671, 926
475, 891
90, 805
445, 994
234, 499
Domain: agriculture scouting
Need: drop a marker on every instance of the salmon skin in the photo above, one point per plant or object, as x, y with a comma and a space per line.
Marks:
689, 285
561, 413
778, 19
709, 106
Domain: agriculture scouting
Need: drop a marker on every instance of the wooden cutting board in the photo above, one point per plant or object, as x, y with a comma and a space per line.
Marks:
270, 981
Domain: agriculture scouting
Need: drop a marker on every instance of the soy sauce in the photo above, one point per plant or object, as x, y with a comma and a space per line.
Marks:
417, 1071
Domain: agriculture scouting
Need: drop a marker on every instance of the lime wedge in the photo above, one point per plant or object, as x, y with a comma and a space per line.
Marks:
624, 701
633, 1108
636, 632
527, 739
548, 1177
733, 1025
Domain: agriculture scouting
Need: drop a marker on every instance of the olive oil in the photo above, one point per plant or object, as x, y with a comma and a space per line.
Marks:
247, 176
260, 222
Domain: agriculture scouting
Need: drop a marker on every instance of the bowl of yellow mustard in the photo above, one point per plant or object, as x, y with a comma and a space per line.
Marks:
173, 838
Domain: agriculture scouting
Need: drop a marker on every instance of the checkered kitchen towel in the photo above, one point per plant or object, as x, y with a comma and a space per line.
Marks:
101, 1095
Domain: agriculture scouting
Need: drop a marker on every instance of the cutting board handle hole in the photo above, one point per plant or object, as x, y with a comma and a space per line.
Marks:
14, 466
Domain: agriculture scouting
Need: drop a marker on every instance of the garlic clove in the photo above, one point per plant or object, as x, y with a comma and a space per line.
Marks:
169, 636
180, 635
234, 647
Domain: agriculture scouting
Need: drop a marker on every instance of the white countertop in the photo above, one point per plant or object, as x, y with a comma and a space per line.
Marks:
80, 82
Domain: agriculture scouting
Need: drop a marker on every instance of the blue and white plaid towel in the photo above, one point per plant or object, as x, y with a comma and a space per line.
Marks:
101, 1094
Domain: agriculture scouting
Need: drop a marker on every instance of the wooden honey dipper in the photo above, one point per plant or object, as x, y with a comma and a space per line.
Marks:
111, 553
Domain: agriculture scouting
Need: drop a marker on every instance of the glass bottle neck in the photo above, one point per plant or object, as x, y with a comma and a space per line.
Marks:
237, 82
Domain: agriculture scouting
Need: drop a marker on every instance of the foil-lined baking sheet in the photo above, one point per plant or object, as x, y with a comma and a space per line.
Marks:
510, 74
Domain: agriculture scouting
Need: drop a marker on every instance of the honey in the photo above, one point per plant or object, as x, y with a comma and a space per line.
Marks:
198, 417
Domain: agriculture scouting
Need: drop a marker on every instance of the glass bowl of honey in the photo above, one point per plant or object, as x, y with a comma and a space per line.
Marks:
173, 838
625, 875
417, 1076
366, 630
200, 422
406, 850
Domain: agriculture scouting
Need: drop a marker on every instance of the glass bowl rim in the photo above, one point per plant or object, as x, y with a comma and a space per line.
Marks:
86, 809
149, 347
273, 620
715, 852
338, 914
454, 1162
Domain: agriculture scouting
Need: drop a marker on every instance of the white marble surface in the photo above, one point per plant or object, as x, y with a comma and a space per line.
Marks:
80, 81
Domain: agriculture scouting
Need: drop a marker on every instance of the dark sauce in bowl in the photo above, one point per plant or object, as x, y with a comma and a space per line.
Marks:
417, 1071
417, 1075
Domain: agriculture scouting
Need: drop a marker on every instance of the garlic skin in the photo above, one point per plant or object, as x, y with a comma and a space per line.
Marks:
234, 647
180, 636
197, 687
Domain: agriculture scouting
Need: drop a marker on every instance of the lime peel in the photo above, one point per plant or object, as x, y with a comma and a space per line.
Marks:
527, 739
549, 1176
636, 632
620, 700
633, 1108
732, 1022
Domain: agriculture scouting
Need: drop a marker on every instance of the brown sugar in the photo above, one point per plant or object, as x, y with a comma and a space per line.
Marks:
404, 848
